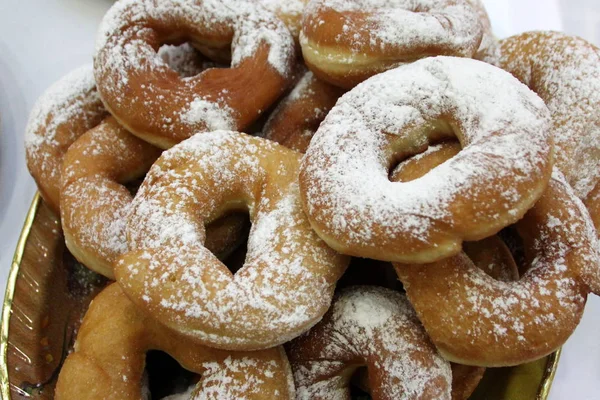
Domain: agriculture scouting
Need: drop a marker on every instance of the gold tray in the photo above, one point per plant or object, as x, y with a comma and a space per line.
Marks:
48, 292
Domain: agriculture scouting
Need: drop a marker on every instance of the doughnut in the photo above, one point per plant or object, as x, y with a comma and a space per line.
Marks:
154, 102
95, 202
373, 327
503, 168
288, 278
563, 70
68, 109
465, 380
345, 42
297, 117
110, 352
289, 11
495, 323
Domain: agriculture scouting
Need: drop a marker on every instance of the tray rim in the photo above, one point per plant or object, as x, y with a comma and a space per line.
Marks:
543, 390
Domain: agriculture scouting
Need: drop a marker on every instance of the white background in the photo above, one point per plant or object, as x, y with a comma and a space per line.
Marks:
41, 40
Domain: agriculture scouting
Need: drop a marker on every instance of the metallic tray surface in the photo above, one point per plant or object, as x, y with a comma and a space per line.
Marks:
48, 292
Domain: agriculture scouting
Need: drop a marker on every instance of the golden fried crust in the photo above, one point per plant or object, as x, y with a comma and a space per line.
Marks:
109, 359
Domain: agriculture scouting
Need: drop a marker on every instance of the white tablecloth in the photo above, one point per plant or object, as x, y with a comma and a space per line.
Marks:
41, 40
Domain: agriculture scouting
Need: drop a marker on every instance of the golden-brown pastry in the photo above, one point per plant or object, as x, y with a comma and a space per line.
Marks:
287, 281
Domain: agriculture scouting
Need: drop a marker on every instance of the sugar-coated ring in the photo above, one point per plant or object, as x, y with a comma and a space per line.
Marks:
502, 170
287, 281
345, 42
110, 352
373, 327
95, 201
496, 323
297, 117
565, 72
153, 102
67, 110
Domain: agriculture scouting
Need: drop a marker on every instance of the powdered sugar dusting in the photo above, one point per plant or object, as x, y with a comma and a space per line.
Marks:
565, 72
376, 328
290, 11
172, 272
502, 126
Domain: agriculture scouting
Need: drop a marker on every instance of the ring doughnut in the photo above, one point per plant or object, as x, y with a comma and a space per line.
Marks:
153, 102
297, 117
95, 202
110, 352
345, 42
563, 70
502, 170
287, 281
497, 323
67, 109
373, 327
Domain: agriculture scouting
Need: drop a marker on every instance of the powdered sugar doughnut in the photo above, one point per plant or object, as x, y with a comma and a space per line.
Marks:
565, 72
296, 119
346, 41
497, 323
502, 170
68, 109
372, 327
110, 353
287, 281
155, 103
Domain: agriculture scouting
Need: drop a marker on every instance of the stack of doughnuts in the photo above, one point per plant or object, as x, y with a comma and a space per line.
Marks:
421, 196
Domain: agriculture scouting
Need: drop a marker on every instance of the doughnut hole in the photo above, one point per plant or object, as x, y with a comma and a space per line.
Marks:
165, 376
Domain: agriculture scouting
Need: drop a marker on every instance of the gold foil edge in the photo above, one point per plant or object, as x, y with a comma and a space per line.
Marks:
9, 295
549, 374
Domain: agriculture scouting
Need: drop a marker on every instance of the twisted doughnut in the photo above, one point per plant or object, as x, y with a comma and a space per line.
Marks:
502, 170
373, 327
565, 72
67, 109
155, 103
289, 275
346, 41
110, 352
297, 117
